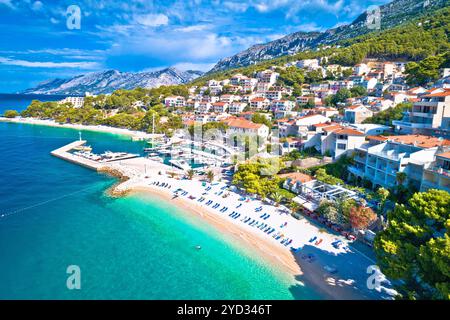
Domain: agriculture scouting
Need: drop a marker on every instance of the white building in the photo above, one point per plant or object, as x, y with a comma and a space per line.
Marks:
204, 107
220, 107
175, 102
282, 105
311, 64
357, 114
361, 69
269, 77
259, 103
77, 102
431, 112
383, 157
236, 107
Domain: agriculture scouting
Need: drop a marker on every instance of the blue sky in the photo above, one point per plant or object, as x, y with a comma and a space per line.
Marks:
137, 35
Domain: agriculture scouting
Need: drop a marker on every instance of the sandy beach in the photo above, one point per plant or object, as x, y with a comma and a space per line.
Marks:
338, 274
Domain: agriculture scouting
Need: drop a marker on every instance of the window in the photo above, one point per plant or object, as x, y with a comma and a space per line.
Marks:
341, 146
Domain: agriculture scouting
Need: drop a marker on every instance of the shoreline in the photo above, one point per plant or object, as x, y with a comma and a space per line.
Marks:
98, 128
280, 257
348, 283
302, 273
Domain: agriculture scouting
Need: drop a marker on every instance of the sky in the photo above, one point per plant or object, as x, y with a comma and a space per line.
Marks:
42, 40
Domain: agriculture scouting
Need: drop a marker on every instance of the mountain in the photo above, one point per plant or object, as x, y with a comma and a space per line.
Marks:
111, 80
392, 14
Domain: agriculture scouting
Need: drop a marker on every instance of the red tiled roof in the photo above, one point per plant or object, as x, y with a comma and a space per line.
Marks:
259, 99
354, 107
320, 125
438, 94
332, 128
243, 123
377, 138
444, 155
420, 141
349, 132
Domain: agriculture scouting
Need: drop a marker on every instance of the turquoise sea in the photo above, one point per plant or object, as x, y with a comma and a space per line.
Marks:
20, 102
57, 214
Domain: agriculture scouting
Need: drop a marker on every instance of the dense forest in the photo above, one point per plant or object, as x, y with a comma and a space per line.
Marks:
130, 109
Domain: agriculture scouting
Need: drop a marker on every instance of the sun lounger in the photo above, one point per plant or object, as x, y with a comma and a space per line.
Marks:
312, 239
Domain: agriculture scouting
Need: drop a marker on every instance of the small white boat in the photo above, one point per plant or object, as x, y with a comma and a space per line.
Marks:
181, 164
157, 159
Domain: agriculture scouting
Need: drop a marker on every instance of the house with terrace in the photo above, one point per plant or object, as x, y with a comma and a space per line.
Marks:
431, 112
436, 175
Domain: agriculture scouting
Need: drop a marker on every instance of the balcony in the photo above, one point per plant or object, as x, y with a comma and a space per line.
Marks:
426, 185
360, 159
391, 155
421, 114
439, 170
356, 171
412, 125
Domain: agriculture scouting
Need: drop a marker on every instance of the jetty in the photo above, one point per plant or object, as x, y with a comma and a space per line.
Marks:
64, 153
128, 165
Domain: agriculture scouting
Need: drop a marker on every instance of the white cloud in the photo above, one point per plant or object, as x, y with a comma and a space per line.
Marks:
54, 21
152, 20
7, 3
36, 64
194, 28
277, 36
37, 5
184, 66
309, 27
235, 6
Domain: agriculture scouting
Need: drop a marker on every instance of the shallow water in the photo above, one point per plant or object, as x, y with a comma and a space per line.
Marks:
57, 214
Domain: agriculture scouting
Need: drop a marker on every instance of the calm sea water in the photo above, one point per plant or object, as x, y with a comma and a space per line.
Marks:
58, 214
22, 101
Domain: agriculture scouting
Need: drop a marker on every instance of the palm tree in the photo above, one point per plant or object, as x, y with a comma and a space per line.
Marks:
401, 178
277, 197
294, 206
210, 176
171, 174
190, 174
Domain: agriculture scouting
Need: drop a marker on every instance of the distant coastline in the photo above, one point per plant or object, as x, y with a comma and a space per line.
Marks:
98, 128
20, 102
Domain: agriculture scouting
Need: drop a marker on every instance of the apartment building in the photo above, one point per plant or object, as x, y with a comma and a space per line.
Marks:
77, 102
357, 114
259, 103
273, 95
431, 112
236, 107
382, 158
269, 77
242, 126
337, 140
203, 107
282, 105
220, 107
436, 175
